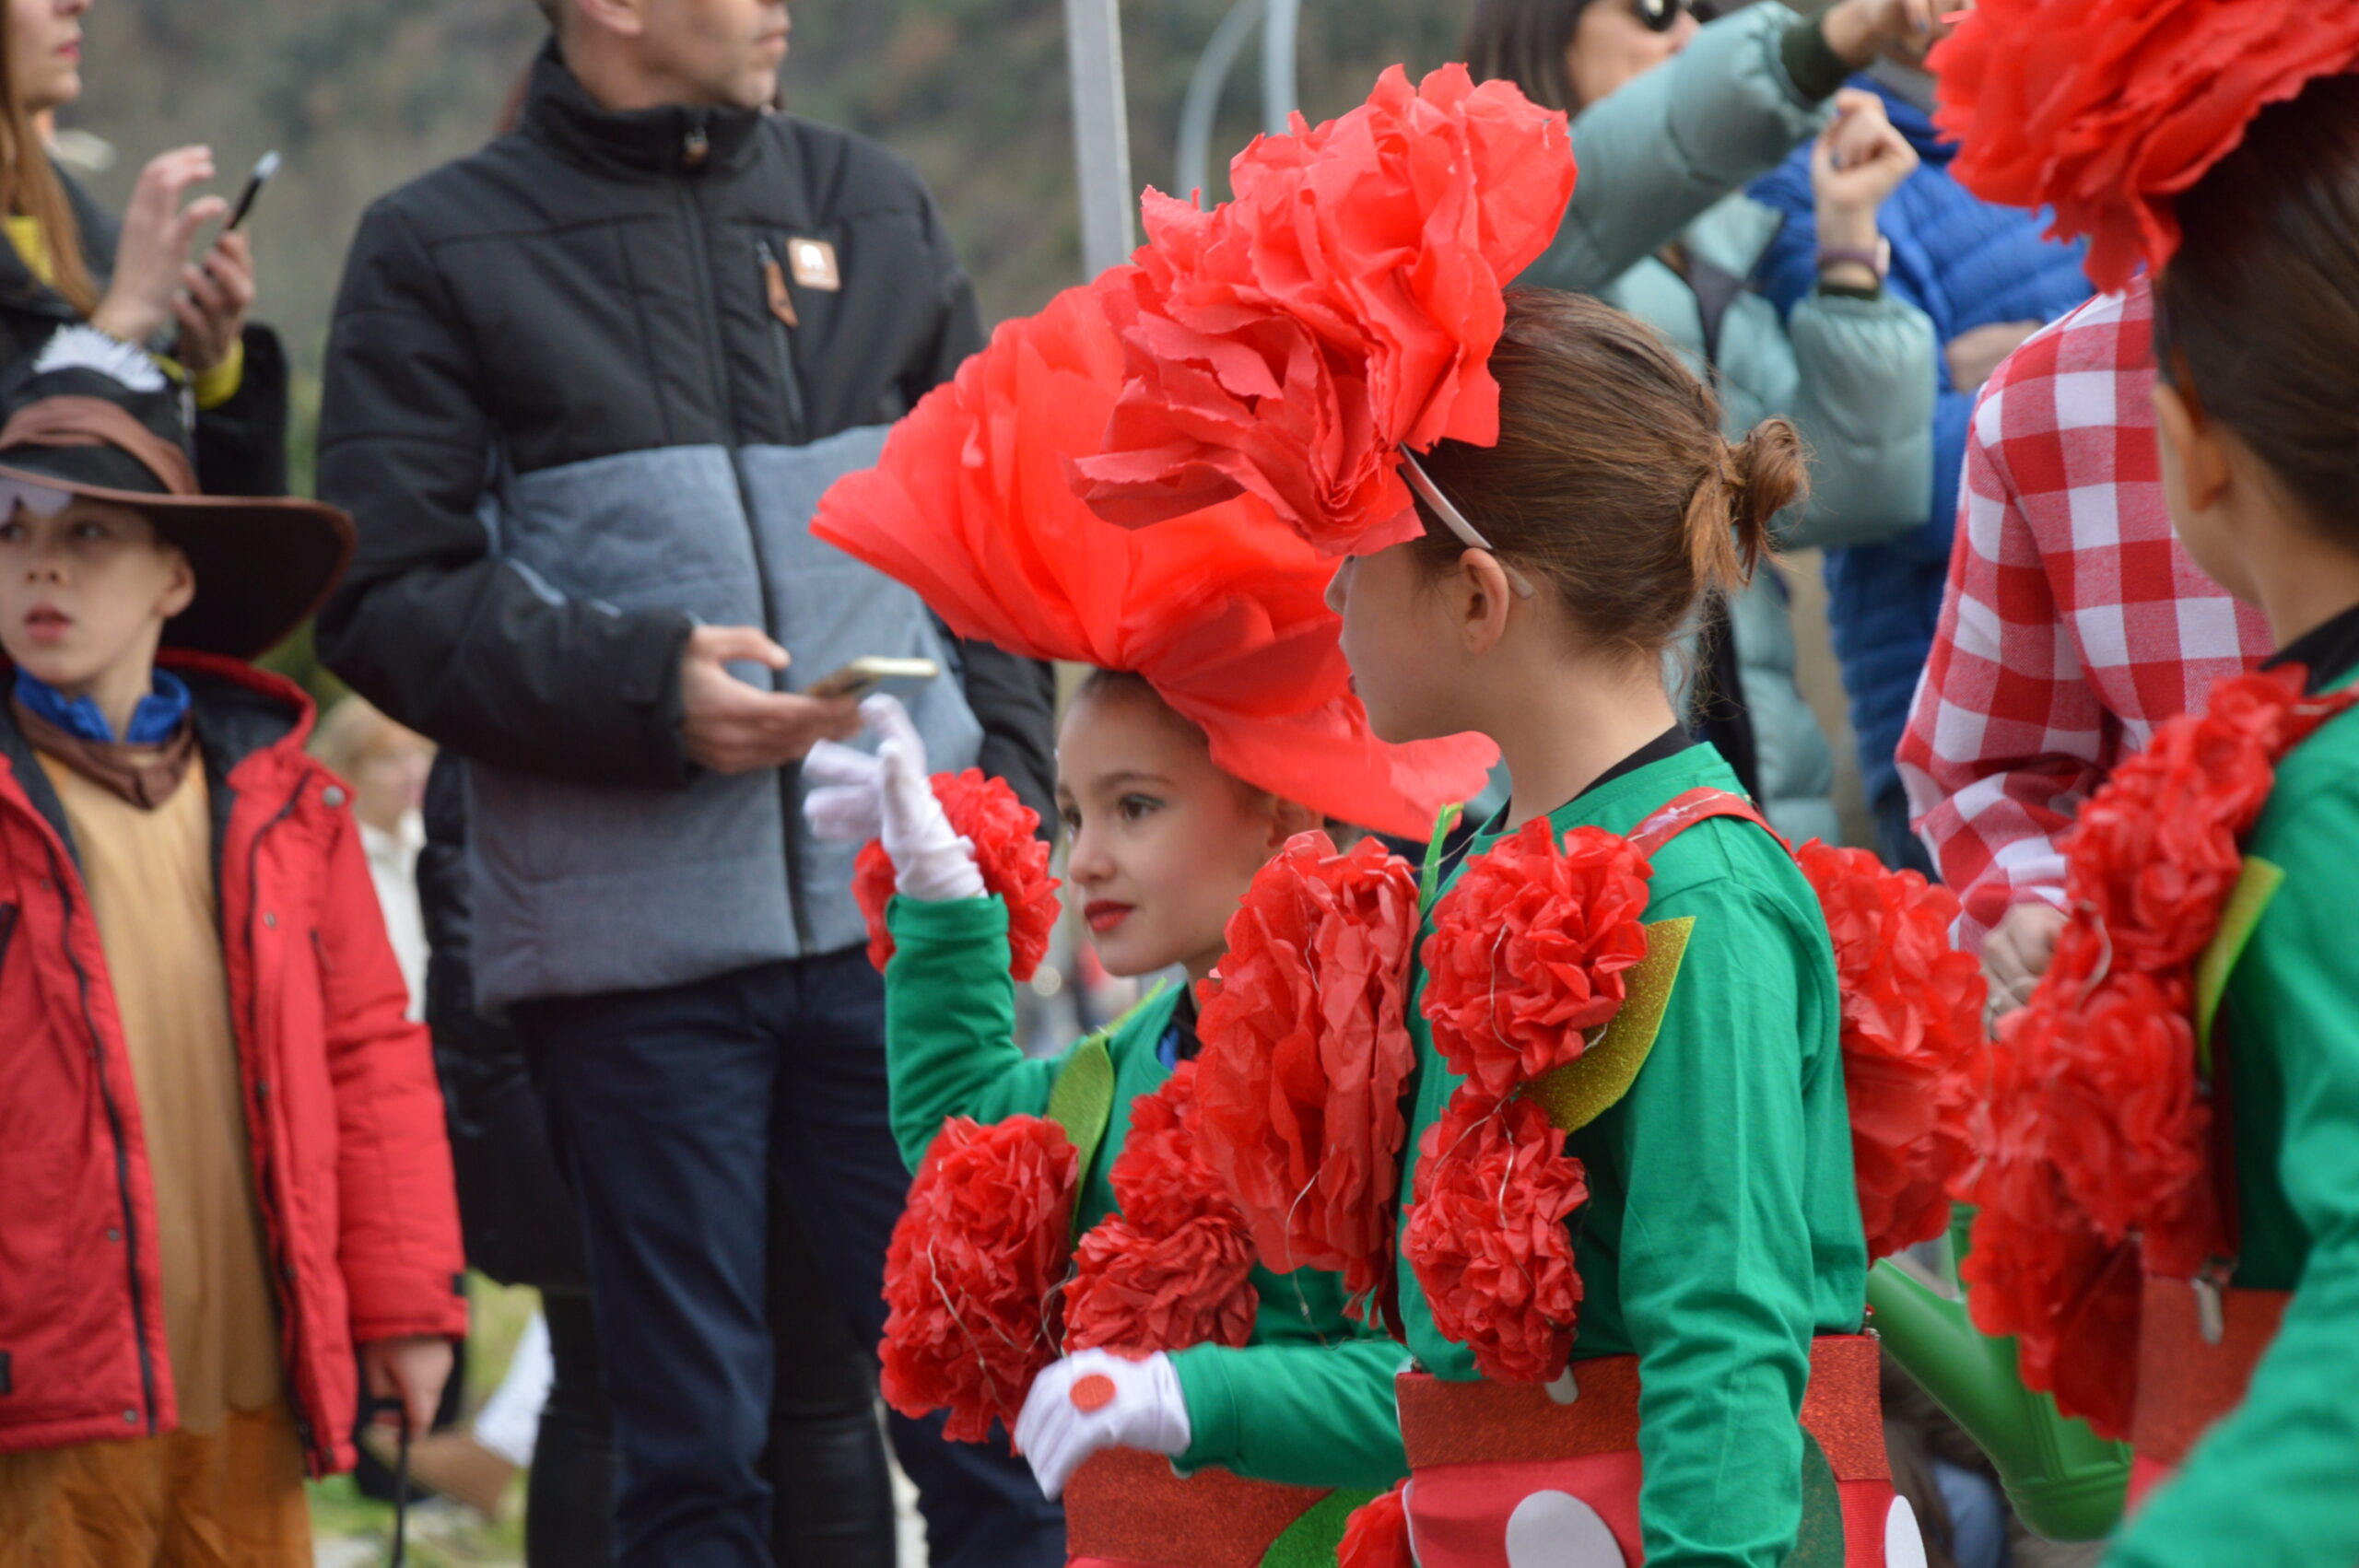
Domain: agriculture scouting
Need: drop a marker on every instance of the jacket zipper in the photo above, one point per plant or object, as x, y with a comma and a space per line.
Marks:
122, 1153
700, 264
266, 1188
781, 349
7, 930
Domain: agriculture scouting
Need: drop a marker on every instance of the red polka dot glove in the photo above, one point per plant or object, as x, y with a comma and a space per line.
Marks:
1096, 1399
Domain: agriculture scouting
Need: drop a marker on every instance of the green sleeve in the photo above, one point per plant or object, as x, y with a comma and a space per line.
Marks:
1300, 1414
2272, 1483
1717, 1265
950, 1022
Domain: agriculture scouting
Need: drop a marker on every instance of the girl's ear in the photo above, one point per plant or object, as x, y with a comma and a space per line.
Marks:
2194, 443
1480, 597
1288, 818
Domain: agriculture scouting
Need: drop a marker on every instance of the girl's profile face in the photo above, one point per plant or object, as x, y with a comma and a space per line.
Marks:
1400, 651
1163, 844
44, 52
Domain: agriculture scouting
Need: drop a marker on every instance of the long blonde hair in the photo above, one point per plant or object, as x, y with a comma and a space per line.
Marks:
30, 187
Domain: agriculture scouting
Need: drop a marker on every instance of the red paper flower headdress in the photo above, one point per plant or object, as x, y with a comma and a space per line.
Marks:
1222, 611
1291, 343
2106, 109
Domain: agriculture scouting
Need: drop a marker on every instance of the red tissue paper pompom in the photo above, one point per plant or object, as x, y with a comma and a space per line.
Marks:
1306, 1053
1174, 1267
970, 1273
1487, 1236
1530, 950
1376, 1535
2107, 110
1009, 851
1343, 305
1913, 1041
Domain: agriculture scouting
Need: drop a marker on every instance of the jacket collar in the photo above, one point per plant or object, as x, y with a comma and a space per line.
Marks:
674, 139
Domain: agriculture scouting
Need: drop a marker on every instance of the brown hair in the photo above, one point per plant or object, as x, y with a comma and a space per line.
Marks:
1611, 481
1523, 41
30, 187
2257, 315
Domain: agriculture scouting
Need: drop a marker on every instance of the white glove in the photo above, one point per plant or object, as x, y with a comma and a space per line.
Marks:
932, 863
1096, 1399
844, 805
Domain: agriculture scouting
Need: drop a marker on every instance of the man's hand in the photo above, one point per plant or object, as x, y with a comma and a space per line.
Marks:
2017, 952
1858, 30
731, 727
151, 258
216, 296
412, 1372
1858, 161
1975, 353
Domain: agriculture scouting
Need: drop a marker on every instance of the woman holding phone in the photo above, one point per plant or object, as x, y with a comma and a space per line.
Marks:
139, 280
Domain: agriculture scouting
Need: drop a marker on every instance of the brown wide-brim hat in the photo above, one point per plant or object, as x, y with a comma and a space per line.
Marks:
77, 424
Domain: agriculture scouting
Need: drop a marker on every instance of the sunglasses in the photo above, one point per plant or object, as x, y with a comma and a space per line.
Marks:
1661, 16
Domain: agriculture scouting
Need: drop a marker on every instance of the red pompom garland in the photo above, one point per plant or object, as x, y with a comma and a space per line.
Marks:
1526, 961
1913, 1042
1305, 1055
2107, 111
1488, 1238
2091, 1142
1009, 851
1376, 1535
1174, 1267
970, 1271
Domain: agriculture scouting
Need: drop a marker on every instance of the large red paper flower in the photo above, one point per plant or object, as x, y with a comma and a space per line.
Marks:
1289, 343
1306, 1052
1376, 1535
1223, 612
1009, 851
2106, 109
970, 1273
1487, 1236
1174, 1267
1912, 1038
1529, 951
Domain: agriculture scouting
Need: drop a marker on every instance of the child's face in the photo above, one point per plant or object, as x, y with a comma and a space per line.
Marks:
1164, 844
85, 591
1405, 655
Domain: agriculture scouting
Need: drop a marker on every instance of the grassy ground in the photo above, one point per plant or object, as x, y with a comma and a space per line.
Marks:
353, 1531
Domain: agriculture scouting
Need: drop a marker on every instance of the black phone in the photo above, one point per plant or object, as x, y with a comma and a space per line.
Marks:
264, 166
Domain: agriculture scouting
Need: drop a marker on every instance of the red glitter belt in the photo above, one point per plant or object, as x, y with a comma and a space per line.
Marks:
1458, 1423
1127, 1507
2188, 1380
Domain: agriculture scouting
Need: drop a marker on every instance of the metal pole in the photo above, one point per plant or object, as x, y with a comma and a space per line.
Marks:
1203, 102
1101, 133
1279, 93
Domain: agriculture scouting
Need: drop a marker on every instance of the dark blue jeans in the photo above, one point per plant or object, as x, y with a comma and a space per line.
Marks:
1897, 842
676, 1112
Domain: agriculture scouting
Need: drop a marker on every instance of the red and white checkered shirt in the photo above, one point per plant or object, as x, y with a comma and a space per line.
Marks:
2074, 622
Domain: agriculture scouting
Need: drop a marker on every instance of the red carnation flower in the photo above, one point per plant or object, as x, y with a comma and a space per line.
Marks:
1009, 851
1376, 1535
1344, 304
1306, 1053
970, 1274
2106, 109
1175, 1266
1912, 1038
1529, 951
1487, 1236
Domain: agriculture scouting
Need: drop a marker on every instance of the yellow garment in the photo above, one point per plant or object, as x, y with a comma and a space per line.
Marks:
150, 879
214, 387
232, 1499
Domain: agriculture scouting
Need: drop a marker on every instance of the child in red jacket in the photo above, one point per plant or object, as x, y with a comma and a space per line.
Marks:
222, 1161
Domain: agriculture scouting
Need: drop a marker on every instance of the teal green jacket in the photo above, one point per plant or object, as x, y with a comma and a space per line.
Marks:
950, 1043
2273, 1484
1722, 1233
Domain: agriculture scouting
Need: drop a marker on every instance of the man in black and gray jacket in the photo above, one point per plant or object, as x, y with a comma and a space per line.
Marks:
583, 390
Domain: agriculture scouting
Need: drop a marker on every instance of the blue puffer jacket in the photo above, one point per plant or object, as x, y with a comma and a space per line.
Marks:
1965, 263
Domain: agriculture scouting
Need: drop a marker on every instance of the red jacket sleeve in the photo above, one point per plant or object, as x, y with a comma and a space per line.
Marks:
400, 1249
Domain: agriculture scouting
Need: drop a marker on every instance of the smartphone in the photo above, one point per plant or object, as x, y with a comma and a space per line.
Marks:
264, 166
870, 676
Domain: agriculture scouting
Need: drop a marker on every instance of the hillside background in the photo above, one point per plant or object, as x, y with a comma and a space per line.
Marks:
362, 95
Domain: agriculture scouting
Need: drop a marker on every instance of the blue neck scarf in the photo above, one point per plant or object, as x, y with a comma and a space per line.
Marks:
157, 719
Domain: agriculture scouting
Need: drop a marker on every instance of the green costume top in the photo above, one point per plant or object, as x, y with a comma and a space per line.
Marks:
950, 1044
1722, 1233
2272, 1483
